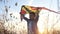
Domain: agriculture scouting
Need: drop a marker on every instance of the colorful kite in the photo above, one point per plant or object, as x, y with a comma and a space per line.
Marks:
27, 9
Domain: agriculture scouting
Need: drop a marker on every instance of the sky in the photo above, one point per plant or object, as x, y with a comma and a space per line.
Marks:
51, 4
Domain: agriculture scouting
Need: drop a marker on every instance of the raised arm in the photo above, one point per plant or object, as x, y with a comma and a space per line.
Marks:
23, 17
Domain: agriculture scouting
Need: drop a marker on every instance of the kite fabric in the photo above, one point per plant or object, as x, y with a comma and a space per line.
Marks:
27, 9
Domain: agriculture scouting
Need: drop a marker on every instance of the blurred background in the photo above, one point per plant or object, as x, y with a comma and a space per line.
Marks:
10, 21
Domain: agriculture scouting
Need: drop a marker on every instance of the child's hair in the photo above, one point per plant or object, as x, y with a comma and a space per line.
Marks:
32, 13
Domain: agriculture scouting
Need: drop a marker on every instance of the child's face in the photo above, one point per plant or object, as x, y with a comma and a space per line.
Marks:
32, 16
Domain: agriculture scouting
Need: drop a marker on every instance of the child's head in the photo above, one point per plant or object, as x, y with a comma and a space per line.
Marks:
32, 15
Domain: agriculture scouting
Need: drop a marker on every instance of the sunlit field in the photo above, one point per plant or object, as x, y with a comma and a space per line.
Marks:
48, 23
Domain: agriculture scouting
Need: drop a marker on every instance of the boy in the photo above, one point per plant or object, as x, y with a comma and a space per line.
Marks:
32, 23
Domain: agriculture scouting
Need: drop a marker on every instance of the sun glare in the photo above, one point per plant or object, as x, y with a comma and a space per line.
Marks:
41, 27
